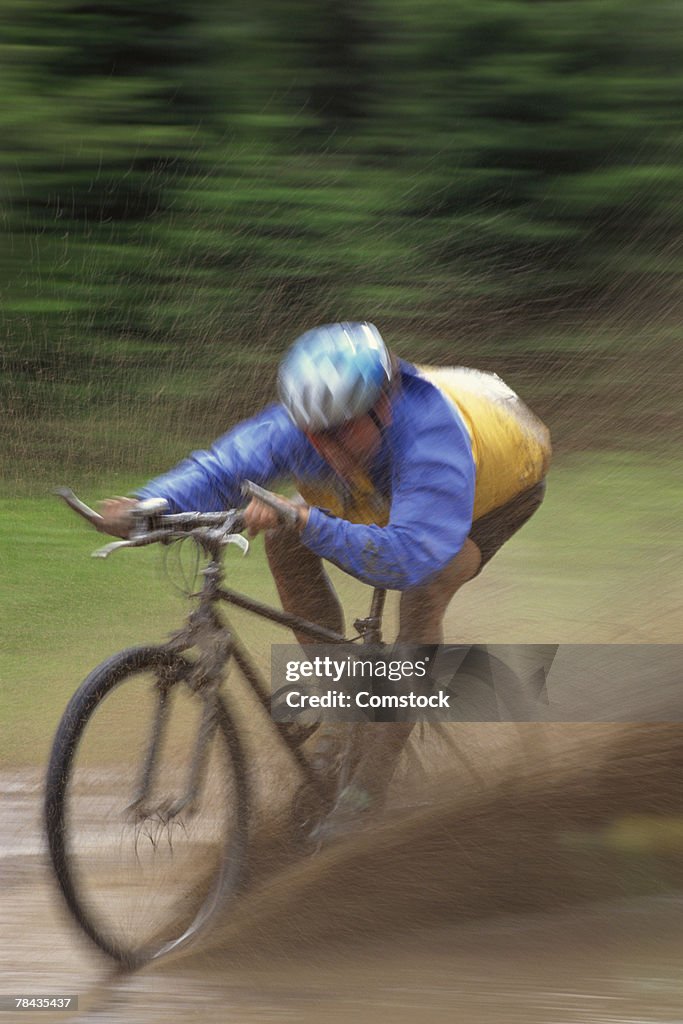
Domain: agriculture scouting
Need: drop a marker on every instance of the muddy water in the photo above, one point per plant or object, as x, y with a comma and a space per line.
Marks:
548, 892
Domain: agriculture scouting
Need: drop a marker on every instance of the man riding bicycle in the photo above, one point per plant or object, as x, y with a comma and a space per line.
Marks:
410, 479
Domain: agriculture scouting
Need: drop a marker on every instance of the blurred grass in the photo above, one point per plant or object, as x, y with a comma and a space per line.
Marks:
599, 555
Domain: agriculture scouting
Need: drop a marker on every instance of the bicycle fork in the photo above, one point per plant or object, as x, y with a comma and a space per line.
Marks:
166, 809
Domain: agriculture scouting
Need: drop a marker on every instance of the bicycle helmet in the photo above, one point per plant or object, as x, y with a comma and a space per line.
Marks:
332, 374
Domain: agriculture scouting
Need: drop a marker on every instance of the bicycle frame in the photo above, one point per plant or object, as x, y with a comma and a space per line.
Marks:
206, 630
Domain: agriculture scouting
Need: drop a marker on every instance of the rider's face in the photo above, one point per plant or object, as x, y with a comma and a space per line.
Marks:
353, 445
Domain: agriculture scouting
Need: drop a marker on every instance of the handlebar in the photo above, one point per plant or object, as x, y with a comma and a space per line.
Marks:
152, 525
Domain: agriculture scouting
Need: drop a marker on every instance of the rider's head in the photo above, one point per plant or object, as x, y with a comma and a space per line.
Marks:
334, 374
334, 383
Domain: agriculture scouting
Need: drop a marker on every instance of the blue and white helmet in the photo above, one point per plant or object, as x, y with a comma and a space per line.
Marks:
333, 374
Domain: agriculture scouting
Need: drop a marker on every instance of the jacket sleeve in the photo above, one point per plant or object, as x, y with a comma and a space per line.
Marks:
261, 449
431, 511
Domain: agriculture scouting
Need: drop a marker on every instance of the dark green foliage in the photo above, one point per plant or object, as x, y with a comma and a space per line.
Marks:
189, 182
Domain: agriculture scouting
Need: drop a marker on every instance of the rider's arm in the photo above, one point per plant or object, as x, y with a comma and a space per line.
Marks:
262, 449
431, 509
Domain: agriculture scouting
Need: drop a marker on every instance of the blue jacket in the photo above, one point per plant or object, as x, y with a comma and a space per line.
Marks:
424, 472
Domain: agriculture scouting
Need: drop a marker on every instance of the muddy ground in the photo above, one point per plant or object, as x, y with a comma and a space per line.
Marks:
546, 889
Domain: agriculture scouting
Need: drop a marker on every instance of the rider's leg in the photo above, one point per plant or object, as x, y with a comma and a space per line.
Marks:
302, 583
421, 621
421, 615
305, 590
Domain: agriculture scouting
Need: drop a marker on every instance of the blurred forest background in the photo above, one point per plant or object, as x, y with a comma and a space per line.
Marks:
185, 186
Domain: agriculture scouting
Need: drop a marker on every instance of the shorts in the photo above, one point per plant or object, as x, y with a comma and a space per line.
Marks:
490, 531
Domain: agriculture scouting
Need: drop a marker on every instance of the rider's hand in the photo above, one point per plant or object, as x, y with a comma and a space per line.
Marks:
116, 518
258, 516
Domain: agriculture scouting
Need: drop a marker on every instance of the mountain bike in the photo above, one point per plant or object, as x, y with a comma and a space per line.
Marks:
148, 790
147, 795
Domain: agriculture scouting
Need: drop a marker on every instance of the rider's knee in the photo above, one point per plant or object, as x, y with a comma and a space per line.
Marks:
423, 608
466, 563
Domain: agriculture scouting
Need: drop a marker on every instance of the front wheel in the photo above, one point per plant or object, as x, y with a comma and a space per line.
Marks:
146, 805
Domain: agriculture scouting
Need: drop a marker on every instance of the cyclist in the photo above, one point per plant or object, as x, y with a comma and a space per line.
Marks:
410, 479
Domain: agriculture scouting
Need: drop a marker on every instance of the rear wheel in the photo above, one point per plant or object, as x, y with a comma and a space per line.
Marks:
143, 874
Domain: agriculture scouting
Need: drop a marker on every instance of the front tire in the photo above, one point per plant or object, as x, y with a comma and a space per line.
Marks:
143, 879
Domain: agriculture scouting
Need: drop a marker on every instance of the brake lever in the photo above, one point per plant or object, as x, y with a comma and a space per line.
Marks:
135, 542
236, 538
106, 551
146, 515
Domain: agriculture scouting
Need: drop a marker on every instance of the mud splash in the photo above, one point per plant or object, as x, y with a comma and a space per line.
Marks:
544, 890
598, 817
